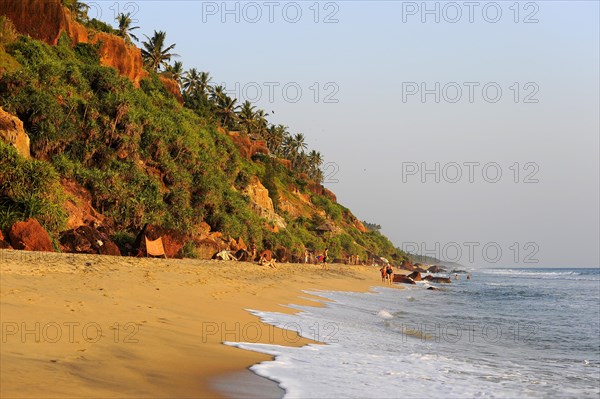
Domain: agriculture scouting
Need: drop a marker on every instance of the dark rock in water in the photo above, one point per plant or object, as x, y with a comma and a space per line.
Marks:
436, 269
415, 276
88, 240
445, 280
458, 271
173, 241
399, 278
30, 236
433, 279
433, 288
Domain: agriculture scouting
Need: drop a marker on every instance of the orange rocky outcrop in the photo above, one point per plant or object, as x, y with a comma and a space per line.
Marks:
319, 189
262, 204
172, 87
78, 205
248, 147
12, 132
43, 20
47, 19
125, 58
30, 236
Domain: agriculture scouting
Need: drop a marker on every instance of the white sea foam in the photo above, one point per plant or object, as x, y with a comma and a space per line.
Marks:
384, 314
371, 353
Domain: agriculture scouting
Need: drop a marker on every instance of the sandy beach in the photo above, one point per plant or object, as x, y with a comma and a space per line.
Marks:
101, 326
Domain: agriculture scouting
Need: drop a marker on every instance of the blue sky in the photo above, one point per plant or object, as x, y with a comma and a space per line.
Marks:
353, 73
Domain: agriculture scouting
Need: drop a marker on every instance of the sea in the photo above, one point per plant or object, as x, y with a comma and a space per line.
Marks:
505, 333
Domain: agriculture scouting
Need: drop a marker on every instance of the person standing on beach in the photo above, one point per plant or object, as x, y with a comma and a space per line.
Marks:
389, 270
252, 251
325, 254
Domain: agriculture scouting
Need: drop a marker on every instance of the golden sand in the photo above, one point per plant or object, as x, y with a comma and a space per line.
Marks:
99, 326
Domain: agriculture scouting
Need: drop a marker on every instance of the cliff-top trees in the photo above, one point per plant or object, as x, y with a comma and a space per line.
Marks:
247, 117
78, 8
175, 72
155, 53
125, 28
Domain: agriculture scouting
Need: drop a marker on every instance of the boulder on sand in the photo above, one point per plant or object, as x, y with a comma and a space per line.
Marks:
173, 241
267, 254
4, 244
242, 255
30, 236
88, 240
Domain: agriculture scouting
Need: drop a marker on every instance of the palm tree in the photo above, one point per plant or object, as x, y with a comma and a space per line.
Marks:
204, 85
155, 54
301, 164
217, 94
191, 81
79, 8
298, 147
261, 123
314, 164
275, 136
125, 27
175, 71
247, 117
227, 109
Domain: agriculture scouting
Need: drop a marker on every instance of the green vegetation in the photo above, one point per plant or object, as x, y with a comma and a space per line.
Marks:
145, 158
29, 188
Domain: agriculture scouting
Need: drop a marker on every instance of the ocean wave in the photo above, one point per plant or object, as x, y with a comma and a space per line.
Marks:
579, 274
384, 314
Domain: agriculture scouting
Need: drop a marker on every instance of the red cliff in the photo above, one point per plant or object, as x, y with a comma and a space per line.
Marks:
125, 58
47, 19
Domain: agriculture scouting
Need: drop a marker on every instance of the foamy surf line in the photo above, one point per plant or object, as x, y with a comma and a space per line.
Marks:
337, 368
366, 352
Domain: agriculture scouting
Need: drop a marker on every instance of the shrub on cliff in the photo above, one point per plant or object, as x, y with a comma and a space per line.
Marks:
29, 189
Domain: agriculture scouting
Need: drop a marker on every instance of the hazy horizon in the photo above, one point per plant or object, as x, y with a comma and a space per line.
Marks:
472, 138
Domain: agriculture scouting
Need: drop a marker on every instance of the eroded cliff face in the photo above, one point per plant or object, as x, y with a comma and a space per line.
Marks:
47, 19
12, 132
43, 20
262, 204
172, 87
125, 58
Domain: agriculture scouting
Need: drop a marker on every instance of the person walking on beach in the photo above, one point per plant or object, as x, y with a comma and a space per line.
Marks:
389, 270
383, 274
325, 254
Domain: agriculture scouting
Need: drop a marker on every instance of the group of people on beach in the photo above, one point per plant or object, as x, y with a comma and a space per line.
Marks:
266, 258
387, 273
